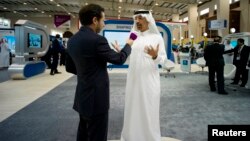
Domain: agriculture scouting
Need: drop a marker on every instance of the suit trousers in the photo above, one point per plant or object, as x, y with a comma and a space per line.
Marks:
93, 129
54, 64
219, 70
241, 74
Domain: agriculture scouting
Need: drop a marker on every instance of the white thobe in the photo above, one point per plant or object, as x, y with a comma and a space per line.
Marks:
4, 55
228, 58
142, 99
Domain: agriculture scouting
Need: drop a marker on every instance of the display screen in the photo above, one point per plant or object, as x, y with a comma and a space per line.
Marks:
34, 40
116, 35
9, 36
233, 43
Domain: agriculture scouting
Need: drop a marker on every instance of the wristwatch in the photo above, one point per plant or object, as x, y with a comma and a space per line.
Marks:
154, 57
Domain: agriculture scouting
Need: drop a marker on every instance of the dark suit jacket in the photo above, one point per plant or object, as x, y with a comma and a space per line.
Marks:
213, 54
90, 53
56, 47
244, 54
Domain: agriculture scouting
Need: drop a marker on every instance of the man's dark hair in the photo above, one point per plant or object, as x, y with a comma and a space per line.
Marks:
57, 35
241, 40
217, 39
88, 12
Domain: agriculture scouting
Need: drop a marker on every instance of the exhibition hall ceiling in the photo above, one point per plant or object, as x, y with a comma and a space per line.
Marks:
161, 9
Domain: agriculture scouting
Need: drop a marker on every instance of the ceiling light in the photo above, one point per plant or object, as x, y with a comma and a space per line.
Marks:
69, 13
42, 12
156, 3
35, 8
120, 7
25, 16
24, 3
14, 11
232, 30
58, 5
50, 0
50, 16
119, 11
120, 0
86, 3
4, 8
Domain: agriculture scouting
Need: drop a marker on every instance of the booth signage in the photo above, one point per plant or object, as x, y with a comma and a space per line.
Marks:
217, 24
59, 20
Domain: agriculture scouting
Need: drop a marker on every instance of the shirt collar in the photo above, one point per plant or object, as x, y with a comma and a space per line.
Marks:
145, 33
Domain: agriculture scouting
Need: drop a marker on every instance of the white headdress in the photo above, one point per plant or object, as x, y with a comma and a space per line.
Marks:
148, 15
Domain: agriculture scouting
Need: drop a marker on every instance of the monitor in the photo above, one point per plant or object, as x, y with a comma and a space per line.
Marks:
233, 43
9, 35
34, 40
120, 36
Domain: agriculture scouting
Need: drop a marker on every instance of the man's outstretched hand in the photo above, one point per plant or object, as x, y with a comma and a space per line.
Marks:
151, 51
116, 46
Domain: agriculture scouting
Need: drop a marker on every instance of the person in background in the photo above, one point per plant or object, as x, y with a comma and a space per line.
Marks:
90, 53
62, 52
213, 55
241, 55
56, 48
5, 53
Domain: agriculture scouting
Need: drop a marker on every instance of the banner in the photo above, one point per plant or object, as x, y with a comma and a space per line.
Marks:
217, 24
62, 21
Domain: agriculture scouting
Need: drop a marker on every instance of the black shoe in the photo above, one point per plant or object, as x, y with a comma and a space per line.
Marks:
223, 93
51, 73
212, 89
57, 72
242, 85
234, 83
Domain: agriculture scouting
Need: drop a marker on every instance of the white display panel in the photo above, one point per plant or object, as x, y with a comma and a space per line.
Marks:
115, 35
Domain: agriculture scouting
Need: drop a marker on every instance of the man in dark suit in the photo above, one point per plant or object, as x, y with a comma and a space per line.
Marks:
241, 54
213, 55
90, 53
55, 50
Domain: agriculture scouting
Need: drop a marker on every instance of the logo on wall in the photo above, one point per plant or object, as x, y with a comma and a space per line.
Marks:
62, 21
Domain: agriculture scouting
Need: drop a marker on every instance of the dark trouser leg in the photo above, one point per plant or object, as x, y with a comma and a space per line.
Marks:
220, 78
98, 128
94, 129
244, 77
54, 63
237, 74
82, 133
48, 60
211, 77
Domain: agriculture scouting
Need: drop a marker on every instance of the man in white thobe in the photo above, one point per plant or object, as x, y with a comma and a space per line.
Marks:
4, 53
142, 100
228, 58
